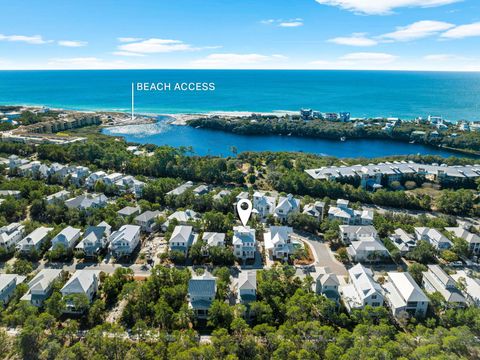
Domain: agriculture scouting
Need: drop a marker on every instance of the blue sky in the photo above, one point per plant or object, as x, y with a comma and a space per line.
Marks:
241, 34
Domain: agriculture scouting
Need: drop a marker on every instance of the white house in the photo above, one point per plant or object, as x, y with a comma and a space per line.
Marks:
434, 237
348, 216
112, 178
92, 179
473, 240
61, 195
286, 205
182, 239
264, 204
10, 235
34, 240
40, 287
326, 283
67, 238
212, 239
147, 220
124, 241
403, 241
247, 287
182, 218
316, 209
82, 282
129, 211
435, 279
367, 249
362, 289
278, 242
471, 286
181, 189
95, 239
404, 295
87, 201
201, 293
8, 284
244, 242
349, 233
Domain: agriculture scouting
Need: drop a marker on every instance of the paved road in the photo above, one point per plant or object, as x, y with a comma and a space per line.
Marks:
323, 255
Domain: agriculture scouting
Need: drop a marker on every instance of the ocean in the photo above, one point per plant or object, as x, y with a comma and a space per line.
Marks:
454, 96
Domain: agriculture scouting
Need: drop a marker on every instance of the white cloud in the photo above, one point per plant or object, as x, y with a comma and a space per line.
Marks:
296, 22
417, 30
72, 43
236, 60
128, 39
463, 31
126, 53
154, 45
371, 57
89, 63
444, 57
382, 7
357, 39
35, 39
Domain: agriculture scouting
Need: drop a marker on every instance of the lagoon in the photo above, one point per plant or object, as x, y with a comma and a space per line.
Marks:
212, 142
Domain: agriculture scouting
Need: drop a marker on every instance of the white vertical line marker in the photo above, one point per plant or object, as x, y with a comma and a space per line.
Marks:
133, 101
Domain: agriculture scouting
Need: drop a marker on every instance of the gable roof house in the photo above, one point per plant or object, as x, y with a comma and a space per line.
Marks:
201, 190
471, 289
82, 282
182, 239
8, 284
129, 211
182, 217
181, 189
362, 289
349, 233
34, 240
265, 205
403, 241
244, 242
404, 295
147, 220
473, 240
368, 249
92, 179
201, 293
87, 201
348, 216
316, 209
40, 287
95, 239
326, 283
278, 242
67, 238
435, 279
61, 195
212, 239
124, 241
247, 287
434, 237
10, 235
286, 205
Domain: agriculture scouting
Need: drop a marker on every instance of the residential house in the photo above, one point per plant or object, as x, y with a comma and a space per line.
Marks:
403, 241
244, 242
263, 204
124, 241
470, 288
40, 287
362, 290
404, 295
348, 216
326, 283
67, 238
10, 235
212, 239
147, 220
316, 210
349, 233
62, 195
247, 287
82, 282
129, 211
368, 249
34, 240
8, 284
434, 237
221, 194
278, 242
111, 179
95, 239
472, 239
87, 201
182, 218
435, 279
286, 205
182, 239
201, 293
181, 189
201, 190
13, 193
94, 177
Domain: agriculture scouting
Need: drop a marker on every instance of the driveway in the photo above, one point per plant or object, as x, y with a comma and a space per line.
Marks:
323, 255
